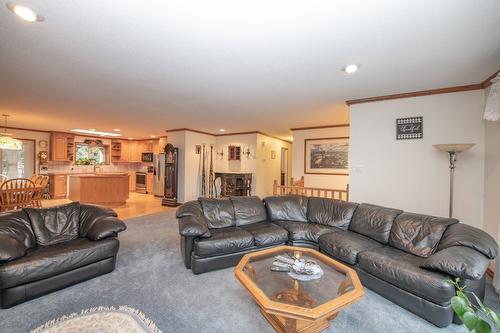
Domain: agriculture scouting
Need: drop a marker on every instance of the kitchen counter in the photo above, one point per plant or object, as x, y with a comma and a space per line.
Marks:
110, 189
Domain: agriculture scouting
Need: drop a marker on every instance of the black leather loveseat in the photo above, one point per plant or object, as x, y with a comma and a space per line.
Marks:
42, 250
405, 257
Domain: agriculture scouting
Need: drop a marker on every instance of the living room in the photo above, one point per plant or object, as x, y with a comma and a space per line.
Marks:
222, 166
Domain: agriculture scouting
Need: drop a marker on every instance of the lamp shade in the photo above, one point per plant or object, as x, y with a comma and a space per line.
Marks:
454, 147
7, 142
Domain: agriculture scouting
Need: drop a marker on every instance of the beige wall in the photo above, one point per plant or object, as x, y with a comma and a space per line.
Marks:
268, 169
245, 165
193, 163
321, 181
412, 174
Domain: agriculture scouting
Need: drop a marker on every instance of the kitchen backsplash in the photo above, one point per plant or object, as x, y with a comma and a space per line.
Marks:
62, 167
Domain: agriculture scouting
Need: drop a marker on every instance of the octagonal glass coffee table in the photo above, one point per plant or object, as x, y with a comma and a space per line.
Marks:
291, 305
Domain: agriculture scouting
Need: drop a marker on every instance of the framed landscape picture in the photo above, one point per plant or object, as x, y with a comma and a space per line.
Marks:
327, 156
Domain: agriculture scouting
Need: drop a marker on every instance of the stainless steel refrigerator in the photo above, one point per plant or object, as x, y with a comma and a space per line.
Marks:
159, 175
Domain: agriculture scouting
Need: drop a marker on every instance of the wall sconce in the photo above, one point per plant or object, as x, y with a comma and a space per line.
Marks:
247, 152
220, 154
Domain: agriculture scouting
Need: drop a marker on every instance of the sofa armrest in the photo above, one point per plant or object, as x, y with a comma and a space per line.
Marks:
192, 226
458, 261
107, 226
465, 235
10, 248
89, 214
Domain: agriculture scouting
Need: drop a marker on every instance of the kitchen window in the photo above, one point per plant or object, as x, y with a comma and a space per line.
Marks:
90, 154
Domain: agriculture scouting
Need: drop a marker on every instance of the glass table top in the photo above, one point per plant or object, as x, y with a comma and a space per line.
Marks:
282, 288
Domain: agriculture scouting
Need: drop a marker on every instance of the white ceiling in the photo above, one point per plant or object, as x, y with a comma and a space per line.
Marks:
146, 66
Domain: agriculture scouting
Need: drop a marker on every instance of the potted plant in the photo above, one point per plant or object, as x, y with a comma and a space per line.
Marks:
476, 317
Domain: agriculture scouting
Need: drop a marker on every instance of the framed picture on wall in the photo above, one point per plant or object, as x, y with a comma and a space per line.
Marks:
327, 156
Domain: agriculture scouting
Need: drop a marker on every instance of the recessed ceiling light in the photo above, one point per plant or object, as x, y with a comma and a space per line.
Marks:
24, 13
117, 130
153, 136
92, 129
349, 69
131, 138
94, 132
222, 130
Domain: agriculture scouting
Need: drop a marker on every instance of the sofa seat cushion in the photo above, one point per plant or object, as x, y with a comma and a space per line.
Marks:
223, 241
402, 270
47, 261
266, 234
305, 231
346, 245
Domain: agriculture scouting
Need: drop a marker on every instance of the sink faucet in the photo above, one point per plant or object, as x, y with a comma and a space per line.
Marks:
97, 168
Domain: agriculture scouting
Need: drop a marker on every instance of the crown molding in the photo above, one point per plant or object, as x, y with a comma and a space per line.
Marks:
478, 86
226, 134
318, 127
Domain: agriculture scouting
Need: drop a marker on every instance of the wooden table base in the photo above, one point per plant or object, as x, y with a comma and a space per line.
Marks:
291, 325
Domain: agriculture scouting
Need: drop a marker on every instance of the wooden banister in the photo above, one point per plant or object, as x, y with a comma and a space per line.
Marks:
338, 194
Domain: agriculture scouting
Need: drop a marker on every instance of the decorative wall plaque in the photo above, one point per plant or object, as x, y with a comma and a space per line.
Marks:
409, 128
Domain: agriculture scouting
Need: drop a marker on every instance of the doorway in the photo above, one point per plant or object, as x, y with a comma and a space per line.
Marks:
284, 167
19, 163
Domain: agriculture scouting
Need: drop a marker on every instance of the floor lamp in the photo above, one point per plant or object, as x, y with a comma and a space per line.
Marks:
453, 150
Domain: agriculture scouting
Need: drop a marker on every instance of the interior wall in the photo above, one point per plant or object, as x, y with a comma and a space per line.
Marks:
33, 135
412, 174
193, 163
492, 178
319, 181
245, 165
268, 169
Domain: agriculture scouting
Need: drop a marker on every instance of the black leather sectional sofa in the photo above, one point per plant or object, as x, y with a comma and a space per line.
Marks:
405, 257
42, 250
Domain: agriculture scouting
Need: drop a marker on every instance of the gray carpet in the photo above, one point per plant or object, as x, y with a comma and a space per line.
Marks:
150, 277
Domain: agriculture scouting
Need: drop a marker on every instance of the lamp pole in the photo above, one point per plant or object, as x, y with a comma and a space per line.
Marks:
453, 160
452, 150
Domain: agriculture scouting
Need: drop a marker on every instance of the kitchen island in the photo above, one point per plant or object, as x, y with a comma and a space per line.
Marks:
109, 189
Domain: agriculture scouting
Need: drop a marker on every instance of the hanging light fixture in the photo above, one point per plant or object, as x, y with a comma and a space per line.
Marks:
6, 139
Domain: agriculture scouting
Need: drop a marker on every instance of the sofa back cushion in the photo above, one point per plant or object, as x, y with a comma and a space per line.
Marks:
418, 234
287, 208
55, 224
16, 224
331, 212
219, 213
248, 210
374, 221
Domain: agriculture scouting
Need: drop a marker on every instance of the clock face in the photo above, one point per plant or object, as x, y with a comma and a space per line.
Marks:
43, 143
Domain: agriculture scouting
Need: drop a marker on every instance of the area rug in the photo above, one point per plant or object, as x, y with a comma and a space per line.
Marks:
101, 319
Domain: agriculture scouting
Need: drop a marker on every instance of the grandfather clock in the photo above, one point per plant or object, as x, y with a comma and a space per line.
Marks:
171, 167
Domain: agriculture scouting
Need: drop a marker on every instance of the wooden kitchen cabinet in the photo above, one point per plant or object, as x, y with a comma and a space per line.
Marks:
131, 180
149, 182
135, 151
62, 147
58, 186
125, 151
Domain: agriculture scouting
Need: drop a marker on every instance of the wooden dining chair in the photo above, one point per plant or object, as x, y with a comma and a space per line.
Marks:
3, 178
41, 183
16, 193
